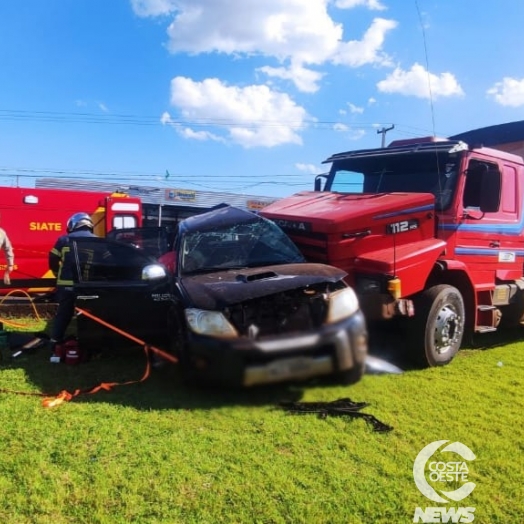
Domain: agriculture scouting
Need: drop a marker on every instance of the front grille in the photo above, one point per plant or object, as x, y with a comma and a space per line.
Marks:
292, 311
314, 246
295, 234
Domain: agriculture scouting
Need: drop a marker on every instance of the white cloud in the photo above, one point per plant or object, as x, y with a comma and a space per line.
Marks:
250, 116
355, 109
372, 101
147, 8
508, 92
417, 82
305, 79
100, 105
284, 29
350, 4
165, 118
357, 53
297, 34
187, 132
350, 132
357, 134
309, 168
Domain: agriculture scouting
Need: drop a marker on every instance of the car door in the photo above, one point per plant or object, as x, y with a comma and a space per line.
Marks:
111, 284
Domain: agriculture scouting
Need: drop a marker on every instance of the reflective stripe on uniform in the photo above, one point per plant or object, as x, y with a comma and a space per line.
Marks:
62, 254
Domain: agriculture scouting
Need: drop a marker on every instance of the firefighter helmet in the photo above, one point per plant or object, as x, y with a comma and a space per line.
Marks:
79, 220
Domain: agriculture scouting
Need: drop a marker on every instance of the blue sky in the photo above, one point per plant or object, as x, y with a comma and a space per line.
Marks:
245, 96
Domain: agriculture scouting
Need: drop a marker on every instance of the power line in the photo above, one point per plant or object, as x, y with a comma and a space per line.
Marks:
80, 174
130, 119
234, 182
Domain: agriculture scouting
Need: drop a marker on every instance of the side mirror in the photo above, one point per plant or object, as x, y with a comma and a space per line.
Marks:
318, 182
154, 272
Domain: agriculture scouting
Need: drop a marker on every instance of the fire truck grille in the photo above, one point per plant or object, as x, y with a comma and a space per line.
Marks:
313, 246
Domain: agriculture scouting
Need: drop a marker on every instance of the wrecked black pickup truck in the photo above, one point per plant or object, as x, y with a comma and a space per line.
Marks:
233, 299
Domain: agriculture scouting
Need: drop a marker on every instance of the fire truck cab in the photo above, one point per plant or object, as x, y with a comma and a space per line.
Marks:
428, 229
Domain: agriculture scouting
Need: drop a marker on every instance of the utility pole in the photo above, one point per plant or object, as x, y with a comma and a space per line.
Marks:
383, 132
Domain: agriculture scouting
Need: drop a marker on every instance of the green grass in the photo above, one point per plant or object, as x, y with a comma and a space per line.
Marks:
157, 452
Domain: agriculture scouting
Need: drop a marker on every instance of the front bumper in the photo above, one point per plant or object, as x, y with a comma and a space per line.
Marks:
245, 362
382, 306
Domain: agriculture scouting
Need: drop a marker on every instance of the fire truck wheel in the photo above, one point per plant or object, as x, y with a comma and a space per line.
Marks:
436, 331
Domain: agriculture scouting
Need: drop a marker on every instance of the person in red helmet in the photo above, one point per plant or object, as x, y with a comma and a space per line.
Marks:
63, 266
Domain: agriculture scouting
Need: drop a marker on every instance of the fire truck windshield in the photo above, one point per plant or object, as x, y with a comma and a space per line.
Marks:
408, 173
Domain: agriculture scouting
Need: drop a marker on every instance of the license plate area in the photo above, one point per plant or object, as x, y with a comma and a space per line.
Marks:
295, 368
289, 367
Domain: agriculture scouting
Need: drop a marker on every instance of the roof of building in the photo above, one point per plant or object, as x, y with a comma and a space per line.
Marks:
493, 135
174, 196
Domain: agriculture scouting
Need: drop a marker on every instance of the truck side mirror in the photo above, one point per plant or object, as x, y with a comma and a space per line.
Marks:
490, 192
318, 182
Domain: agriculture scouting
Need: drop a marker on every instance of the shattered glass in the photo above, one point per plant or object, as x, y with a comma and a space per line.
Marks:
253, 243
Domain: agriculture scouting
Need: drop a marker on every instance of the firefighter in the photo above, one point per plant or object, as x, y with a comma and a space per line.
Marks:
5, 244
63, 266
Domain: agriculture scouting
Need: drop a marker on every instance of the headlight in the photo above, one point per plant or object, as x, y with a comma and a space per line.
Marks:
342, 304
211, 323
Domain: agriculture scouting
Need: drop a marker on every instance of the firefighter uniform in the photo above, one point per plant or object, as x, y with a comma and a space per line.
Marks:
63, 265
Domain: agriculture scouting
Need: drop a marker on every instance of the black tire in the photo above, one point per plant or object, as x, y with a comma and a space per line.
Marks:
351, 376
435, 332
178, 346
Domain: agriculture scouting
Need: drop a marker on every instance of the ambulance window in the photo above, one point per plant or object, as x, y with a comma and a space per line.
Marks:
122, 221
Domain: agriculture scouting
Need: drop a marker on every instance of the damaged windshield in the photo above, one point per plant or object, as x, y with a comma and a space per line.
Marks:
408, 173
251, 243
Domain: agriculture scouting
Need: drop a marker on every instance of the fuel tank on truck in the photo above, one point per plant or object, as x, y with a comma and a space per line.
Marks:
337, 228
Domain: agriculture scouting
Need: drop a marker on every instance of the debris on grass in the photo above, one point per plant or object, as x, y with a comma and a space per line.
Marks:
341, 407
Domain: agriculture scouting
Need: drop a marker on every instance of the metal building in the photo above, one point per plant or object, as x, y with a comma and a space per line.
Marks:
163, 206
507, 137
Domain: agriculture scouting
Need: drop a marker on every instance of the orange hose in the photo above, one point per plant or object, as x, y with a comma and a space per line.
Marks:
159, 352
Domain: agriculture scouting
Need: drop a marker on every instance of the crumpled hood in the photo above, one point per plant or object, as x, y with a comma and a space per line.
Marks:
215, 291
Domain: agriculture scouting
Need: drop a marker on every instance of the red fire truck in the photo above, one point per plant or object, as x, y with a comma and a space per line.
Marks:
35, 218
428, 229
